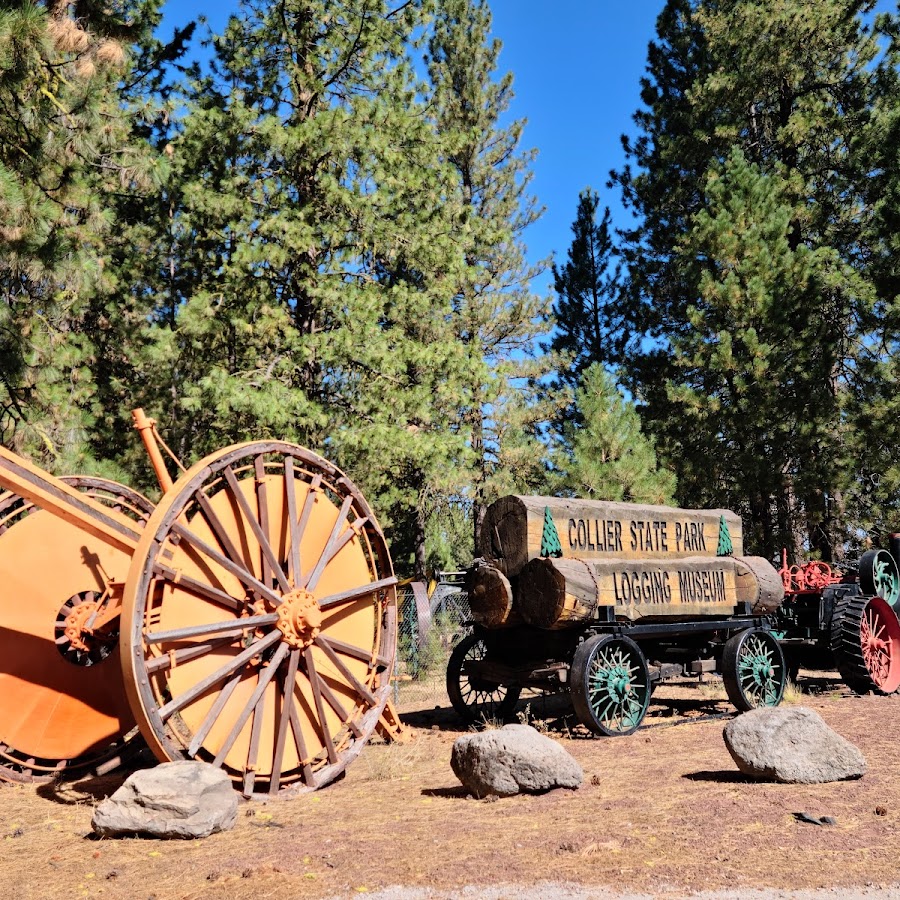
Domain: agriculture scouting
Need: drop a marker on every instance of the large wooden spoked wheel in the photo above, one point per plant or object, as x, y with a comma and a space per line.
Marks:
63, 709
261, 613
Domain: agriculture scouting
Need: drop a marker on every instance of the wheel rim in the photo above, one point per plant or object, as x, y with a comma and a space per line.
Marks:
879, 575
879, 638
63, 708
263, 619
617, 687
478, 700
760, 670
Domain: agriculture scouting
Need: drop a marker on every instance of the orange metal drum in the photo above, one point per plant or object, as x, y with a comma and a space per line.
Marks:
62, 699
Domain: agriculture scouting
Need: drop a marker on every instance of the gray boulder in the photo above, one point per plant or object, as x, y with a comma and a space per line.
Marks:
791, 745
184, 799
512, 760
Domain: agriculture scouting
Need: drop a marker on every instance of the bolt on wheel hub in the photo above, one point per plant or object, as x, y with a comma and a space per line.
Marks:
299, 618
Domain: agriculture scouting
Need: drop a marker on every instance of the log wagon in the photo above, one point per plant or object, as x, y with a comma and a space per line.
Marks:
603, 600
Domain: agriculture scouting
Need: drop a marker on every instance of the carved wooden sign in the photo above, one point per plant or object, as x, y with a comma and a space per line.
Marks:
558, 593
515, 530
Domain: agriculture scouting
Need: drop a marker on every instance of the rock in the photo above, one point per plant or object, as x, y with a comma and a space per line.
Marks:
512, 760
791, 745
183, 799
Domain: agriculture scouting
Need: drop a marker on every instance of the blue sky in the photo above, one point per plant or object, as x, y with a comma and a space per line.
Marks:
577, 66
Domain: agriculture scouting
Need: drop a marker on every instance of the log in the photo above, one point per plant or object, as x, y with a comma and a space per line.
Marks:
490, 595
513, 531
555, 593
759, 584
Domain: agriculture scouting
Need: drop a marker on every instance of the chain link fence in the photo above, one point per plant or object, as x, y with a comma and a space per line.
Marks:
429, 627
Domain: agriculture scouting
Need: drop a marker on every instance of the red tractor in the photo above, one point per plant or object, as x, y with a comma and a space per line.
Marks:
848, 619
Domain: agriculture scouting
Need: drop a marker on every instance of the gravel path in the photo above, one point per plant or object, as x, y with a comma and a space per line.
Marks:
557, 891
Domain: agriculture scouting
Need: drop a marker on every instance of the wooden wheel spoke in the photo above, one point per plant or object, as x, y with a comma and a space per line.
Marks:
262, 513
356, 652
262, 538
185, 654
218, 529
284, 719
312, 579
208, 592
339, 664
308, 774
293, 525
356, 593
267, 674
182, 700
233, 627
240, 572
253, 750
315, 684
339, 708
214, 712
308, 503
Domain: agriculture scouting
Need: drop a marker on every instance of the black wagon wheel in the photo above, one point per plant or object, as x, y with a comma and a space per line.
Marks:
72, 667
475, 699
259, 619
610, 684
753, 669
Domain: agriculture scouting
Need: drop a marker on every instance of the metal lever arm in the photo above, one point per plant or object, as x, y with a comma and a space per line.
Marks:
49, 493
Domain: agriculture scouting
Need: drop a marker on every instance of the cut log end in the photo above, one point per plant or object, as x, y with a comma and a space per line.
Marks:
490, 595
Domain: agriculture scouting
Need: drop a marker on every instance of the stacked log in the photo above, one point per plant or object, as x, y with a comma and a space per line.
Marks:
559, 593
513, 528
556, 562
490, 595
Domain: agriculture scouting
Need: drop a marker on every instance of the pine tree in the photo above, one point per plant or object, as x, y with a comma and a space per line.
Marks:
608, 457
306, 291
790, 86
585, 288
496, 316
66, 151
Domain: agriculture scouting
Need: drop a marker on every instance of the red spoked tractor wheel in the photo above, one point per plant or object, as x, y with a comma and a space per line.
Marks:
865, 639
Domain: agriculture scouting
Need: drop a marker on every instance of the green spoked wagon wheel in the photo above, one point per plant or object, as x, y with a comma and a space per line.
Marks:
753, 670
610, 684
879, 576
476, 699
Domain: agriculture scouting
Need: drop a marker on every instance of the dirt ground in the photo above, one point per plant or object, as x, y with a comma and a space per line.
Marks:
663, 812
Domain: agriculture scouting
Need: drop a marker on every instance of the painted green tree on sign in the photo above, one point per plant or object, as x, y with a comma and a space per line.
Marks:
725, 548
550, 545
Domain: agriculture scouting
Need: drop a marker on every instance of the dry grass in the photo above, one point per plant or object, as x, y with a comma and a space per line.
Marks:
662, 808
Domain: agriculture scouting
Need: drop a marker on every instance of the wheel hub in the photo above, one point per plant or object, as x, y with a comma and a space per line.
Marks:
76, 622
299, 618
